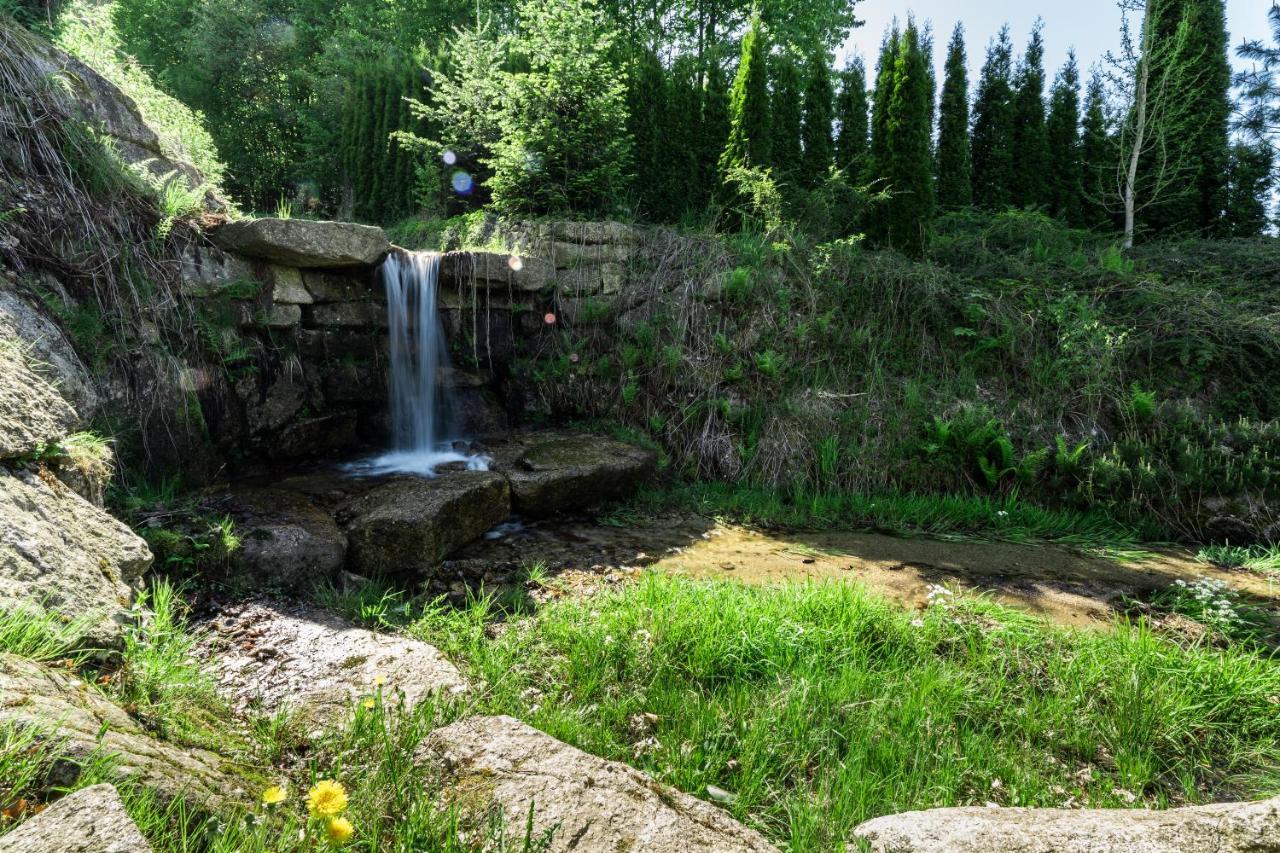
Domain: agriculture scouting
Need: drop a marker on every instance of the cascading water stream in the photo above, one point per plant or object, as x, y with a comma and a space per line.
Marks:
421, 437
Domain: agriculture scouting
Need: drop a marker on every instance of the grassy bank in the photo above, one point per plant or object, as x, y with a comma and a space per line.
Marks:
816, 707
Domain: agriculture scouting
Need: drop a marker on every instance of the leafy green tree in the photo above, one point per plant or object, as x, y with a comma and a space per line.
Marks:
564, 146
1065, 178
886, 68
818, 96
785, 115
992, 142
953, 166
910, 158
1097, 158
1030, 140
749, 142
1250, 179
851, 111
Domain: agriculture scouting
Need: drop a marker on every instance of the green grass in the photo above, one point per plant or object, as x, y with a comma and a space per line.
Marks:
38, 634
1264, 559
816, 706
1005, 519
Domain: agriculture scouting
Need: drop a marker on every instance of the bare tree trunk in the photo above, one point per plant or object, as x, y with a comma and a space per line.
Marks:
1139, 137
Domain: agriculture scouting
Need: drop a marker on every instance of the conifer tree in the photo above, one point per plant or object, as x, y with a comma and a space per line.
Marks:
818, 154
784, 115
886, 68
712, 130
682, 182
1097, 158
647, 98
1250, 178
992, 142
748, 143
1030, 141
851, 111
954, 189
1065, 176
1199, 72
909, 150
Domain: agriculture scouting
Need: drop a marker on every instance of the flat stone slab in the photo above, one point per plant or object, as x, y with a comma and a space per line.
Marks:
554, 472
304, 243
407, 525
82, 722
1220, 828
61, 552
495, 269
588, 804
270, 655
286, 541
91, 820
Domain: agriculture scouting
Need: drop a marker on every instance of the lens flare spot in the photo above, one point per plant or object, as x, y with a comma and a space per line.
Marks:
462, 183
549, 319
515, 262
449, 158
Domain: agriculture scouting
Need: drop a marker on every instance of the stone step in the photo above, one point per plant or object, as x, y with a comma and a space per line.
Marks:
91, 820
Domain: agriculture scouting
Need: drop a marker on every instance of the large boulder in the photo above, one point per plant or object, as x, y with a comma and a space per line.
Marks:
407, 525
286, 541
92, 820
304, 243
271, 655
60, 552
32, 412
1221, 828
553, 472
84, 724
44, 345
589, 805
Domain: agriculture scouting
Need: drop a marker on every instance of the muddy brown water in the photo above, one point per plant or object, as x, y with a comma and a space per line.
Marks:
1062, 585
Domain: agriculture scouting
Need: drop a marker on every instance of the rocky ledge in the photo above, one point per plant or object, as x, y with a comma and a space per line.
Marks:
304, 243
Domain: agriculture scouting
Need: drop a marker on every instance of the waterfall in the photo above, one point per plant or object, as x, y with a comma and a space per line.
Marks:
421, 436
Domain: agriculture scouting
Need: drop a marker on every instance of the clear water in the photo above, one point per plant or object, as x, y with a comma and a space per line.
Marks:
422, 434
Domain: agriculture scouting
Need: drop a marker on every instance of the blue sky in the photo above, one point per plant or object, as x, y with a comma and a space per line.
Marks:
1090, 25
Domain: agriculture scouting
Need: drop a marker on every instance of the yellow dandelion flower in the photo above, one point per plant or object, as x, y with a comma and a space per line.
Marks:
379, 680
274, 795
339, 829
327, 798
368, 704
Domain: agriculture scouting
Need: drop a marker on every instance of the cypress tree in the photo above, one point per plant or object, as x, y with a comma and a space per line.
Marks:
818, 153
851, 141
1097, 158
1065, 178
681, 183
646, 104
1199, 114
954, 189
992, 143
878, 155
712, 131
749, 142
784, 115
1030, 140
910, 174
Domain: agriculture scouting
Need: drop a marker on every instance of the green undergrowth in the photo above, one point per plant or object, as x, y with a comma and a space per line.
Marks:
815, 706
1001, 518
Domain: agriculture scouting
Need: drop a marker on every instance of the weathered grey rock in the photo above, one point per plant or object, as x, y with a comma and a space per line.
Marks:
304, 243
48, 350
495, 269
275, 317
208, 271
286, 542
82, 723
594, 232
91, 820
569, 255
344, 286
1222, 828
271, 407
316, 436
32, 412
338, 344
287, 287
407, 525
561, 472
61, 552
367, 315
589, 804
271, 655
